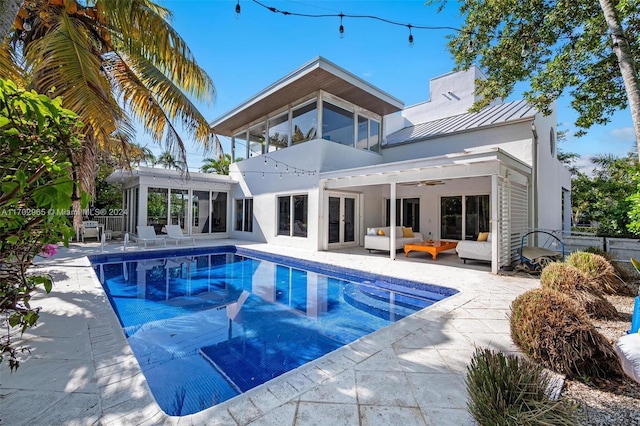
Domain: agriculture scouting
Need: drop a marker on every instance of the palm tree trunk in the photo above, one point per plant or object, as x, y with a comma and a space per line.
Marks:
8, 12
626, 63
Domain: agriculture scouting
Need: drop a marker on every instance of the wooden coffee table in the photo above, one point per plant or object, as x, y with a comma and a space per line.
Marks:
433, 247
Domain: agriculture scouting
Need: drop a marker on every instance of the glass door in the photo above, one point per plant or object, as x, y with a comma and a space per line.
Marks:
342, 220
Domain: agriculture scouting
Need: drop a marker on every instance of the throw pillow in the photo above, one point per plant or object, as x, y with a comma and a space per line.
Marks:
372, 231
407, 232
380, 232
483, 236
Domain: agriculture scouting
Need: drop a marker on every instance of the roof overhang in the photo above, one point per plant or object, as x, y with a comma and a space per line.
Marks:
451, 166
318, 74
123, 177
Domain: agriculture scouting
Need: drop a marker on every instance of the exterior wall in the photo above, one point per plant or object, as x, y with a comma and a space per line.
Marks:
553, 177
515, 139
450, 94
317, 155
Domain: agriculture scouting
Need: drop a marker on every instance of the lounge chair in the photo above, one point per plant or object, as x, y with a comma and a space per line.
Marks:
174, 232
90, 229
146, 234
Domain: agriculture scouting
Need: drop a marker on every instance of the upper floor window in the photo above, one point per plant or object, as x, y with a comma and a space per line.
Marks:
552, 142
279, 132
368, 134
337, 124
304, 122
257, 140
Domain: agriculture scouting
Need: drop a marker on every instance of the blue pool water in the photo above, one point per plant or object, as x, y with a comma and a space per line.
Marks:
209, 324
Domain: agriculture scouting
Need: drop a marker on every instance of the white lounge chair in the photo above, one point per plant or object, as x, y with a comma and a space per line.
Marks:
174, 232
146, 234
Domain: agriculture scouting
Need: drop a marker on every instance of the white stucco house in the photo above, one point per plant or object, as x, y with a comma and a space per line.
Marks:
322, 156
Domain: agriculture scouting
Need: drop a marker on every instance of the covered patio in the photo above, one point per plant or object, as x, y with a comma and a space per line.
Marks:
494, 172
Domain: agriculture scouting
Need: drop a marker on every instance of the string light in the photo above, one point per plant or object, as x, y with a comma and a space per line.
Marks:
410, 36
347, 15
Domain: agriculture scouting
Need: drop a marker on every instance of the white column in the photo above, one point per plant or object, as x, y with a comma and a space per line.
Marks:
392, 221
495, 224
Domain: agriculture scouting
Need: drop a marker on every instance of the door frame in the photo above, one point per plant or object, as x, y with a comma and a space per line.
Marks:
356, 219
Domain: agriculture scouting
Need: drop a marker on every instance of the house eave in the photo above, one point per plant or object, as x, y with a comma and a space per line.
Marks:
318, 74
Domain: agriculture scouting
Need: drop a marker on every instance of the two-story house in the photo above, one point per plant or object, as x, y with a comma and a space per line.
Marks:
323, 156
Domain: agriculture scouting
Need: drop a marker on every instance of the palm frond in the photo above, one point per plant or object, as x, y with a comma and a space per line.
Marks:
65, 64
141, 30
9, 65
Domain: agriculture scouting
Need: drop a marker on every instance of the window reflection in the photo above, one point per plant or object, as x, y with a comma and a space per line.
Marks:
337, 124
257, 140
157, 208
304, 123
279, 132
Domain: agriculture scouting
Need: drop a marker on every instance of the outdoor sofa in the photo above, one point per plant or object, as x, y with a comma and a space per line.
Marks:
379, 238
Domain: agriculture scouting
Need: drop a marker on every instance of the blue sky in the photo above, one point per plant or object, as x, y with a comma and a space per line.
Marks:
244, 55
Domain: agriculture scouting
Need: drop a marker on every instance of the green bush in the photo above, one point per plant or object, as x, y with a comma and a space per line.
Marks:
571, 281
511, 390
39, 139
552, 330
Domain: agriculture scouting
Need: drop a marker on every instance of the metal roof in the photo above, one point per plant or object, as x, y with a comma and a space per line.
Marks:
509, 112
318, 74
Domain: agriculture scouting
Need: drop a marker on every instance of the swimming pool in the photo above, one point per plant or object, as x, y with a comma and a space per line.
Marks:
207, 324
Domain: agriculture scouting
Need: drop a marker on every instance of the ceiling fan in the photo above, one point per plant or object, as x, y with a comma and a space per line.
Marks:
430, 183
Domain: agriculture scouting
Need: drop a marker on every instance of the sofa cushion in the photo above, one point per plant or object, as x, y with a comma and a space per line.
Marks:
407, 232
381, 232
372, 231
483, 236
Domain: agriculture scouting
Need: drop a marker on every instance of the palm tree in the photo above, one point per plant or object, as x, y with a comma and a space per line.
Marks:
141, 154
168, 161
111, 61
218, 165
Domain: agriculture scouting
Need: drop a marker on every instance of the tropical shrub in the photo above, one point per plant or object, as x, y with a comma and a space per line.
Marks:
39, 140
571, 281
552, 330
599, 271
511, 390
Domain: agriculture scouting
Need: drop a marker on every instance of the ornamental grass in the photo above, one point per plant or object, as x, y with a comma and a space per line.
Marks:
511, 390
600, 272
571, 281
553, 330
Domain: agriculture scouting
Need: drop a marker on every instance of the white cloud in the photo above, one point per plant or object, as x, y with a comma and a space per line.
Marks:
623, 134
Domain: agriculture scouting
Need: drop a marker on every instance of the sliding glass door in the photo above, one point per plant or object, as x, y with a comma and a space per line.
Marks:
464, 215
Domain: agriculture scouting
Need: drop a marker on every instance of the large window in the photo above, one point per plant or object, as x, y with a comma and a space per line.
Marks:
240, 145
279, 132
244, 215
368, 134
304, 122
337, 124
179, 203
157, 208
218, 212
257, 140
200, 212
292, 215
407, 213
468, 216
